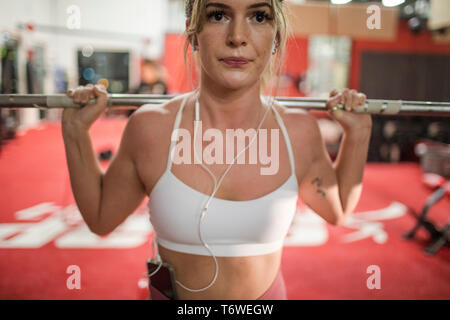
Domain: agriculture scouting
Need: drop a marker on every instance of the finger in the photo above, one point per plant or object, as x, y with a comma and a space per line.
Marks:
333, 92
77, 95
101, 87
88, 93
91, 94
354, 95
69, 93
349, 101
346, 99
101, 94
361, 99
85, 95
334, 101
332, 105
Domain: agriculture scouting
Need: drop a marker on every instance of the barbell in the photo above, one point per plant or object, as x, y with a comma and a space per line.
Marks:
372, 106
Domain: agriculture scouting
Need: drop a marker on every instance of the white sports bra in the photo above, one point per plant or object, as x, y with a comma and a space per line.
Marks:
231, 228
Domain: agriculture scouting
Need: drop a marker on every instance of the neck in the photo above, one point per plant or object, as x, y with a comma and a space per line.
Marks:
230, 108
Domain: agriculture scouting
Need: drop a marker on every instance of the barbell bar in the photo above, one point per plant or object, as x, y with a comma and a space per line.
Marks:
372, 106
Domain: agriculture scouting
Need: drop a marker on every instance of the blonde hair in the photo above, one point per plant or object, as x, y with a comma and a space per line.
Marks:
195, 14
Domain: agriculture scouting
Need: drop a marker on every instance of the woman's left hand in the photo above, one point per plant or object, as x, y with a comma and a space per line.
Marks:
351, 100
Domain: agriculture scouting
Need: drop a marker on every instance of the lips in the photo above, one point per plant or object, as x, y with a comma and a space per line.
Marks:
232, 61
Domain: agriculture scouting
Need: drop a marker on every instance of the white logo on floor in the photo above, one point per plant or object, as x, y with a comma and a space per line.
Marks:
47, 222
309, 229
67, 229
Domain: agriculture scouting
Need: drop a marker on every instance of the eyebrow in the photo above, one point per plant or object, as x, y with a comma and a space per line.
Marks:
252, 6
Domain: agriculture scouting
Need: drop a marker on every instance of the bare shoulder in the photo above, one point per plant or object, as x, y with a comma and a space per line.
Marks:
154, 119
299, 123
151, 114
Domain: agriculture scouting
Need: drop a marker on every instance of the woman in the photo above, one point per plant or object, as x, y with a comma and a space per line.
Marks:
223, 243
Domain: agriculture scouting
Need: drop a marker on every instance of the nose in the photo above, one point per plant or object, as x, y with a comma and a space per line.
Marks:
238, 33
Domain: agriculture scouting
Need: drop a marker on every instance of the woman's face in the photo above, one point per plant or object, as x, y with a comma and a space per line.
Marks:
236, 28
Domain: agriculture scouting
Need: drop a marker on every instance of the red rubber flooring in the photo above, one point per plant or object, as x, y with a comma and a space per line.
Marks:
42, 237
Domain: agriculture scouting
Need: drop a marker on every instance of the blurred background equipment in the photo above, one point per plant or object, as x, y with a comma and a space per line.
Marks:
108, 68
435, 165
434, 157
9, 119
105, 154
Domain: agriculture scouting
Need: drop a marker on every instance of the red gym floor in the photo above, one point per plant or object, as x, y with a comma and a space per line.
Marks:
42, 235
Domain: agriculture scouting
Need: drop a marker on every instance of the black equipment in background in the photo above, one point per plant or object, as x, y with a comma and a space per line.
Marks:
110, 66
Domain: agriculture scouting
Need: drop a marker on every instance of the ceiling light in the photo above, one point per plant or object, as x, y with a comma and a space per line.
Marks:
340, 1
392, 3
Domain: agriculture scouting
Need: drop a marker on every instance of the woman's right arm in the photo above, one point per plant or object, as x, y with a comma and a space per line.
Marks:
85, 174
104, 199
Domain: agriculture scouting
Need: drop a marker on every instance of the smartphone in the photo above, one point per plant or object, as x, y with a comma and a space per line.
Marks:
163, 280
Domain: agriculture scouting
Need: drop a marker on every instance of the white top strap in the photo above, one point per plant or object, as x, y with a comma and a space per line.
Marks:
174, 135
286, 138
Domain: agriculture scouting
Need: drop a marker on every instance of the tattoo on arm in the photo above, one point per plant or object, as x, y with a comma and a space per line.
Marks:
318, 181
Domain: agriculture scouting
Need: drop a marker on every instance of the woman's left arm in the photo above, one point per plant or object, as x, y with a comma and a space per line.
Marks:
352, 156
332, 190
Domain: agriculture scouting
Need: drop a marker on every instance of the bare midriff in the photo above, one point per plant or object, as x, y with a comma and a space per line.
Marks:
240, 278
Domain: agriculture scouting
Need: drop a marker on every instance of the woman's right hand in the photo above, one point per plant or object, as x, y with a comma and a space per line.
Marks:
82, 118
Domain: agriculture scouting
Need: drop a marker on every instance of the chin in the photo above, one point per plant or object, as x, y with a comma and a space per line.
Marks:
237, 82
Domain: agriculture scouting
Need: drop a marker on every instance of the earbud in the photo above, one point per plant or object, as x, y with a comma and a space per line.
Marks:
274, 47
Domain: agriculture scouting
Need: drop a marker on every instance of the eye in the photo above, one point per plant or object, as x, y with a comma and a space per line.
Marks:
261, 16
216, 14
